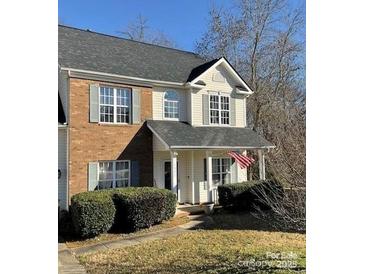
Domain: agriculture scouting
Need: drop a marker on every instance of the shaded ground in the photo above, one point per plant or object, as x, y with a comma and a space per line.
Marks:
232, 243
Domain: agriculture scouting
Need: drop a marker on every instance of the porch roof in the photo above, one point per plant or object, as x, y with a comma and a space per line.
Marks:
181, 135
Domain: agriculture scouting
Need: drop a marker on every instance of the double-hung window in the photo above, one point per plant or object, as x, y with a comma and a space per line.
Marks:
219, 109
171, 105
221, 170
115, 105
112, 174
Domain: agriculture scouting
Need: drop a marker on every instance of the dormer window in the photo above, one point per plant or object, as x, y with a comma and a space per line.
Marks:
171, 105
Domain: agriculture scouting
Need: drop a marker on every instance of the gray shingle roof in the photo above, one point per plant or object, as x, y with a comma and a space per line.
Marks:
81, 49
180, 134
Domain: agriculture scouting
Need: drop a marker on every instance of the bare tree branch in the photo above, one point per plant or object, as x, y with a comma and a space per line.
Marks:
139, 30
263, 39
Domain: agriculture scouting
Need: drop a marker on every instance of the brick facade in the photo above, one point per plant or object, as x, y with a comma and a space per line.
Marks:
89, 142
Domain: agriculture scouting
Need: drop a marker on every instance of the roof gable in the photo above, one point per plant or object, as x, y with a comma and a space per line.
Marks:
207, 68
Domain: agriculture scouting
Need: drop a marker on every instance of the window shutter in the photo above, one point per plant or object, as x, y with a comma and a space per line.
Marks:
134, 173
93, 176
205, 109
232, 111
94, 103
136, 106
205, 169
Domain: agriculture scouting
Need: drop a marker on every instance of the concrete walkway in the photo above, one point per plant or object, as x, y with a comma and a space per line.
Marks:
196, 221
67, 263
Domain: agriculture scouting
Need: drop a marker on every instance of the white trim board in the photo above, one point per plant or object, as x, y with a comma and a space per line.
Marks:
101, 76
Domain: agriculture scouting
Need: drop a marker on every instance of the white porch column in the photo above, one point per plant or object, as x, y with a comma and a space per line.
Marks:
174, 173
261, 164
209, 175
192, 178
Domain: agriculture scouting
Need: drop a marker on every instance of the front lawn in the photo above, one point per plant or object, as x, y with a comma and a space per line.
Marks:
226, 248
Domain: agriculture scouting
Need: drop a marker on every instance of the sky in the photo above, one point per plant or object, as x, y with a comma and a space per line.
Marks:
184, 21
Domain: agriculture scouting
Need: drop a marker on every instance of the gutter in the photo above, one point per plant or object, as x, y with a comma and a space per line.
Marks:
190, 85
87, 74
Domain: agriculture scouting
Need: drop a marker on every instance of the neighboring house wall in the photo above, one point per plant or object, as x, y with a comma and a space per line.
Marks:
225, 87
158, 103
62, 166
90, 142
63, 90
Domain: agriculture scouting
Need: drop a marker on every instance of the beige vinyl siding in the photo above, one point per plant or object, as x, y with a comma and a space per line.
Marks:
62, 165
242, 173
158, 175
157, 145
157, 103
188, 106
228, 87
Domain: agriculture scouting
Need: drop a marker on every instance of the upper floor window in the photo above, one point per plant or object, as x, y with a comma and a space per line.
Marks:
219, 109
171, 105
112, 174
114, 105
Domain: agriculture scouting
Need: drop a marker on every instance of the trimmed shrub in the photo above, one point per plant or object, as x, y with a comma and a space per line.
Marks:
127, 209
241, 196
169, 204
65, 225
92, 213
140, 207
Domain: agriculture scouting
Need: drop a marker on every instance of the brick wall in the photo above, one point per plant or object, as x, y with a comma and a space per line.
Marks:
94, 142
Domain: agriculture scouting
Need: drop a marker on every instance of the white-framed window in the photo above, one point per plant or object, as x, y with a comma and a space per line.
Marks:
221, 170
112, 174
114, 105
219, 109
171, 105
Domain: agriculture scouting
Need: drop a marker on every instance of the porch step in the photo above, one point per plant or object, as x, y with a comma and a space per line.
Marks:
179, 213
187, 209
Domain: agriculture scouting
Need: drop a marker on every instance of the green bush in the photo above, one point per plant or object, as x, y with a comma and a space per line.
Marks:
65, 225
242, 196
92, 213
140, 207
126, 209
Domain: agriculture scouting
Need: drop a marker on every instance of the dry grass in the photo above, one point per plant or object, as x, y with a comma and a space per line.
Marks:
228, 250
76, 243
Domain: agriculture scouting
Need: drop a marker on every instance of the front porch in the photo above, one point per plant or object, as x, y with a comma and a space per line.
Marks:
193, 161
194, 175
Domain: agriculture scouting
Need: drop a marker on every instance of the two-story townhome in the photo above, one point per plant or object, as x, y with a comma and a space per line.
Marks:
136, 114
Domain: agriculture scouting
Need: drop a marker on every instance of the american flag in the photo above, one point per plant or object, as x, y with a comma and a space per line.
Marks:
242, 160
